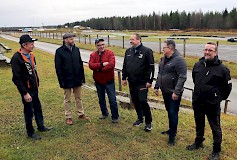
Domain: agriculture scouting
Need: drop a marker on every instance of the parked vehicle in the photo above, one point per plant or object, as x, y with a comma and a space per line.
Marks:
232, 39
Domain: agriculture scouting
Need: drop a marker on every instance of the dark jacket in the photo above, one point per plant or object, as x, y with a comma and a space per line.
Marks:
212, 81
69, 67
102, 74
172, 74
138, 65
25, 76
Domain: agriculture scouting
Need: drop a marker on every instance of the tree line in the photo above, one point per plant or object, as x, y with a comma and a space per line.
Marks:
164, 21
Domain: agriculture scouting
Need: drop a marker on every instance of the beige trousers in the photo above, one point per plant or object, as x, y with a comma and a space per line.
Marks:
78, 101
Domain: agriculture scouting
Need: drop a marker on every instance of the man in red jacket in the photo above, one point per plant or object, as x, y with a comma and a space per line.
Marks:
102, 62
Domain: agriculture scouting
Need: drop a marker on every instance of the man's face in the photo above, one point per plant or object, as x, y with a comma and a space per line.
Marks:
133, 41
166, 50
209, 51
29, 46
69, 41
100, 46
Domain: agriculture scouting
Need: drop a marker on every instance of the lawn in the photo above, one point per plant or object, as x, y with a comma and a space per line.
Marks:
98, 139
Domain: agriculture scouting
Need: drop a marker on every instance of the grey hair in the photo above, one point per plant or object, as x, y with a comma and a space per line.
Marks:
212, 43
170, 43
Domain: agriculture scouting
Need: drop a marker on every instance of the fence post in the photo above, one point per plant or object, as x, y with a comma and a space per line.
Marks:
79, 38
160, 45
119, 80
108, 41
53, 35
85, 39
217, 44
226, 105
90, 39
123, 42
97, 36
184, 46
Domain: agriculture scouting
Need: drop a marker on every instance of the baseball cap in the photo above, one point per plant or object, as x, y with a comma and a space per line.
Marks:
26, 38
99, 40
68, 35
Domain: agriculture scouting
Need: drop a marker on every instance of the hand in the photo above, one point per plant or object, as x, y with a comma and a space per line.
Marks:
124, 82
27, 97
105, 63
156, 91
175, 96
148, 85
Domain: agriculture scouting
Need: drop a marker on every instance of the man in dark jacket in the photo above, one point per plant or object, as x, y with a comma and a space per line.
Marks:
70, 72
138, 69
102, 62
171, 78
26, 79
212, 84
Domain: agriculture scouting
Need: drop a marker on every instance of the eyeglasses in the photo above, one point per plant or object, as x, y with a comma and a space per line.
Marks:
99, 45
209, 50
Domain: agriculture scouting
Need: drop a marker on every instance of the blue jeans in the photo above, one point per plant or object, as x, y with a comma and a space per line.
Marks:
172, 107
110, 90
30, 108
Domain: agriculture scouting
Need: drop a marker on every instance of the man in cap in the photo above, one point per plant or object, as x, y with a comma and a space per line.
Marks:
26, 79
102, 62
70, 73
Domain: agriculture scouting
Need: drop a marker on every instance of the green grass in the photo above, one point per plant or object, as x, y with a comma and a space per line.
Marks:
98, 139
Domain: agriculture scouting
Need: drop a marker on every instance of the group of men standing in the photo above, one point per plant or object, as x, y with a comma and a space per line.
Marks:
212, 84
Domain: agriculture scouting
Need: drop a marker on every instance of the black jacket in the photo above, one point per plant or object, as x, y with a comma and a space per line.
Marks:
172, 74
212, 81
25, 76
138, 65
69, 67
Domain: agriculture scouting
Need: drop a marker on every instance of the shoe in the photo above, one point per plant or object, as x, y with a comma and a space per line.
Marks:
115, 120
148, 127
165, 132
194, 146
34, 136
104, 116
83, 117
138, 122
45, 129
214, 156
69, 121
171, 141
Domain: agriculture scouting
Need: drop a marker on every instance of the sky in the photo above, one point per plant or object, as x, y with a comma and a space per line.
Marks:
36, 13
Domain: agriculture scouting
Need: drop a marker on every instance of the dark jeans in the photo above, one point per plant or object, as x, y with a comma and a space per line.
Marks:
30, 108
213, 115
139, 98
172, 107
110, 90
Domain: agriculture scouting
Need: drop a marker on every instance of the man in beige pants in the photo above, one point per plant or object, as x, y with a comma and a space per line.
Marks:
70, 73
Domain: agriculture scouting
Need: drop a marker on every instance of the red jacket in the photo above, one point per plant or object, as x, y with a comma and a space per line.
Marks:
102, 74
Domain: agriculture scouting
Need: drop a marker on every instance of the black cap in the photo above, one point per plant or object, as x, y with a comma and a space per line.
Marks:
26, 38
68, 35
99, 40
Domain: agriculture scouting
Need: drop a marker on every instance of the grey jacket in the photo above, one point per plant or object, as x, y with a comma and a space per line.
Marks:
172, 74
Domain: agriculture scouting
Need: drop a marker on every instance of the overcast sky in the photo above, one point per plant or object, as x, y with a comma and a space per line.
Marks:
55, 12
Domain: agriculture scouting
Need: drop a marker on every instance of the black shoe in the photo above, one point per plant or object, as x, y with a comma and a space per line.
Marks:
165, 132
45, 129
34, 136
148, 127
214, 156
138, 122
104, 116
115, 120
194, 146
171, 141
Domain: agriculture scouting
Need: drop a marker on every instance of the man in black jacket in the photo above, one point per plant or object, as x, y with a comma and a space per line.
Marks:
26, 79
171, 78
70, 72
212, 84
138, 69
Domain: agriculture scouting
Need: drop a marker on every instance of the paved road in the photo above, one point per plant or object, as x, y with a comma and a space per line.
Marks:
232, 107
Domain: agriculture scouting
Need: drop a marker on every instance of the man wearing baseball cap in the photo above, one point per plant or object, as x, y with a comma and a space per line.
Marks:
26, 79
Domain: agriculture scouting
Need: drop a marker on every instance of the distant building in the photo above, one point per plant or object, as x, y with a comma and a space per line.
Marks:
27, 30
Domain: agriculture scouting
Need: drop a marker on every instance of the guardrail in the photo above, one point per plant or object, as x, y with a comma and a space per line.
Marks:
5, 47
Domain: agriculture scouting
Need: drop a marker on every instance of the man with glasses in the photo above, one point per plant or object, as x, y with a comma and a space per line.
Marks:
70, 73
212, 84
171, 78
26, 79
102, 62
138, 69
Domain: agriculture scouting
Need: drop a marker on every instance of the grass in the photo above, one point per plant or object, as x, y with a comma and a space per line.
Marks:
98, 139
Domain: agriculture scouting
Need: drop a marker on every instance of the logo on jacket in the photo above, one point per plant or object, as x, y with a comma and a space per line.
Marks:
140, 55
